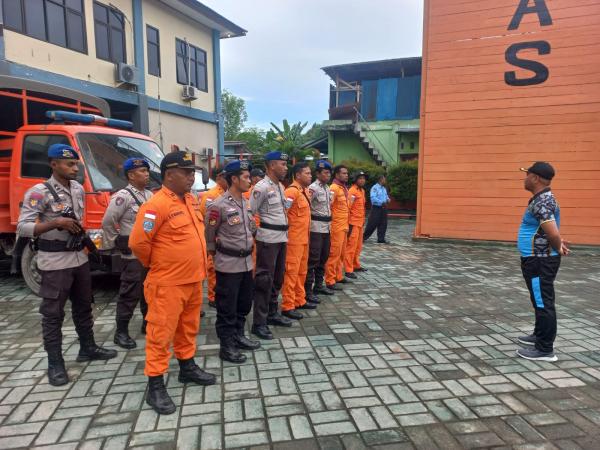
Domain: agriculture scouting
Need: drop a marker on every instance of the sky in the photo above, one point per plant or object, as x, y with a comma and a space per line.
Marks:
276, 68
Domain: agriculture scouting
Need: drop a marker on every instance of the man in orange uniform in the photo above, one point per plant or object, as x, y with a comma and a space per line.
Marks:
356, 225
168, 238
340, 209
297, 198
208, 199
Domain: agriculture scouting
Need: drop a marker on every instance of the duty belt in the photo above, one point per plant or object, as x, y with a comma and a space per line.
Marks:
269, 226
234, 253
54, 246
320, 218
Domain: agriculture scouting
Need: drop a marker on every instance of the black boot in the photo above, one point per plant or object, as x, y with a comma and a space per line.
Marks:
244, 343
122, 338
89, 351
158, 397
230, 352
143, 329
323, 290
190, 372
57, 374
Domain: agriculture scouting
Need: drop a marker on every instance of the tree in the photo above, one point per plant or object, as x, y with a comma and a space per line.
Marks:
314, 132
234, 115
255, 139
288, 139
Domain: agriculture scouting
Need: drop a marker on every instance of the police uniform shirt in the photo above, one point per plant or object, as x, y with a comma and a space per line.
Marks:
269, 203
230, 225
320, 205
40, 205
120, 215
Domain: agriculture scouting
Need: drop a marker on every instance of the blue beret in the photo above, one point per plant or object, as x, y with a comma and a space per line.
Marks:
237, 165
62, 151
135, 163
276, 156
322, 164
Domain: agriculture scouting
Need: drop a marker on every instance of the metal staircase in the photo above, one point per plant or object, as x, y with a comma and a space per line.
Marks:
361, 129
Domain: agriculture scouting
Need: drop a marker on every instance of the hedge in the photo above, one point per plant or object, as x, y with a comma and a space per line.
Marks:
372, 170
402, 181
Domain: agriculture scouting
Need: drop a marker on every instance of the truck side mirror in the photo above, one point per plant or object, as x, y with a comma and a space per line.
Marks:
205, 177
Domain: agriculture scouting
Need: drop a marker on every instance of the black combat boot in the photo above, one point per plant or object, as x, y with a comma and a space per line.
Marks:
144, 325
244, 343
90, 351
158, 397
57, 374
122, 338
190, 372
230, 352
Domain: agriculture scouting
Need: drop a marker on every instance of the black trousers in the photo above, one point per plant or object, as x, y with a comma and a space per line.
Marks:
131, 290
58, 286
268, 279
539, 274
377, 219
233, 294
317, 258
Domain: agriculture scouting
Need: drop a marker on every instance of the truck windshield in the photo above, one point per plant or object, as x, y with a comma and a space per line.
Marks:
104, 155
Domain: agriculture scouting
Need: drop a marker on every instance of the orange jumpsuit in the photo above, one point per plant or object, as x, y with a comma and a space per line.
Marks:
168, 238
296, 259
357, 223
210, 196
340, 208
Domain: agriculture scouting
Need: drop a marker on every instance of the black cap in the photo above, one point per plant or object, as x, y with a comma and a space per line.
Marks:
182, 160
359, 174
257, 173
542, 169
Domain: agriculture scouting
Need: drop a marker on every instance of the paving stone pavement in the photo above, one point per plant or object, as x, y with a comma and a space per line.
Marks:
416, 353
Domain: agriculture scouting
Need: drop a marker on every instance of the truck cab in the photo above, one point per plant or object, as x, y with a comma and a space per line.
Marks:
102, 144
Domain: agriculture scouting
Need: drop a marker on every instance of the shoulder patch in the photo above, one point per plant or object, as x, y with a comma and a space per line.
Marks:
119, 201
148, 225
255, 194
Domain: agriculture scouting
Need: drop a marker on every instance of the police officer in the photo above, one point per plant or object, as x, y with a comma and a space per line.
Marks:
229, 239
61, 260
268, 202
168, 237
116, 225
320, 214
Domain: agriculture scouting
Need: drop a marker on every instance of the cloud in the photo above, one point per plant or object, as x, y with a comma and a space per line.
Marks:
277, 65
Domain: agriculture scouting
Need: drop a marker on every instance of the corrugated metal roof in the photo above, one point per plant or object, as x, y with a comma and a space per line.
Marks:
371, 70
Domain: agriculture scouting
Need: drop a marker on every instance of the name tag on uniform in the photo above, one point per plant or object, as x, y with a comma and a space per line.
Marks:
234, 218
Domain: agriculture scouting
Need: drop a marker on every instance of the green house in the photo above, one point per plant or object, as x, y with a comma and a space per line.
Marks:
374, 111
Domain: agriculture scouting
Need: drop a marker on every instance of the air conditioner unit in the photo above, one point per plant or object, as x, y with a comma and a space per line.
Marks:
127, 74
189, 93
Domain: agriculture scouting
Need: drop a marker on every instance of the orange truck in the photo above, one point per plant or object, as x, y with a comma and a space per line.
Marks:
34, 116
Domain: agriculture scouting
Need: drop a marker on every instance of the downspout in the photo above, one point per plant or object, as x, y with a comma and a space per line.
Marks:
141, 117
216, 41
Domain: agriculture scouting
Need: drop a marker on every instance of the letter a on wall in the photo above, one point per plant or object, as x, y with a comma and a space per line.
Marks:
539, 7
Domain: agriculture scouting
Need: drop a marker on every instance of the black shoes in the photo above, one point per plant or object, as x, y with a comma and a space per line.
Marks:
202, 314
333, 287
345, 281
262, 332
309, 305
230, 352
189, 372
278, 320
143, 328
361, 269
351, 275
383, 242
292, 314
57, 374
122, 338
325, 290
244, 343
312, 298
89, 351
212, 304
158, 397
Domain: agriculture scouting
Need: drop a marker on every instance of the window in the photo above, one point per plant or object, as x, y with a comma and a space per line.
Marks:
153, 48
109, 26
60, 22
412, 145
195, 64
34, 163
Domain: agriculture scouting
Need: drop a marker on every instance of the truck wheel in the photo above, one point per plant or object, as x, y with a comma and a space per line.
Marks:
29, 268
